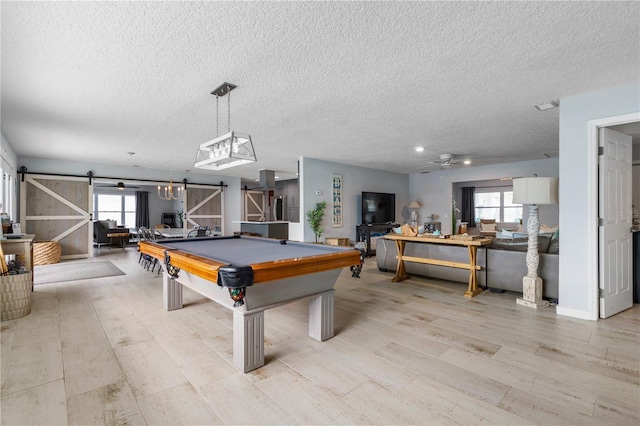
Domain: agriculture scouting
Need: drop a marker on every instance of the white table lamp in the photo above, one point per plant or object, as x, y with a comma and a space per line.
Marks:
413, 207
534, 191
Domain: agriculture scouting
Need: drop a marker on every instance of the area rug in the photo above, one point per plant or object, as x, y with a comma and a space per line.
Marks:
73, 271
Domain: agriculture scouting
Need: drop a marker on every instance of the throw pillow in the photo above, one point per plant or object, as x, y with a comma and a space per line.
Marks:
488, 227
554, 246
507, 234
543, 243
544, 229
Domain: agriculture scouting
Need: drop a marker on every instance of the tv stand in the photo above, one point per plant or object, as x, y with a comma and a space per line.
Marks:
364, 231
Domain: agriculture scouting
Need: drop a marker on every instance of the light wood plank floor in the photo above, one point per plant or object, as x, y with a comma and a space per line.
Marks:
103, 351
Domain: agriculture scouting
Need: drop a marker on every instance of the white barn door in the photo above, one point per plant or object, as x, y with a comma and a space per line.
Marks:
614, 210
58, 208
254, 206
204, 206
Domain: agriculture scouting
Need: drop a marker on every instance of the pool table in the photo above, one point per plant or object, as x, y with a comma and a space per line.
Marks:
249, 275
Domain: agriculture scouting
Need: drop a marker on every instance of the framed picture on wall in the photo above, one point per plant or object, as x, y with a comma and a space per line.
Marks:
336, 199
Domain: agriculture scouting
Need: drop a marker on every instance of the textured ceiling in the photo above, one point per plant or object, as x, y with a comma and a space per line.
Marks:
359, 83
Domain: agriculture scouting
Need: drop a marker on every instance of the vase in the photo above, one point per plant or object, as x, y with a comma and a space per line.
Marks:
15, 296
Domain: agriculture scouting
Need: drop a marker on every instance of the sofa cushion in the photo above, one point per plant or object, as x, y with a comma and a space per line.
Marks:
521, 244
108, 224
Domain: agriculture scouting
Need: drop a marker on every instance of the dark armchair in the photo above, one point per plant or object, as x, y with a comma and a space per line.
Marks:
103, 227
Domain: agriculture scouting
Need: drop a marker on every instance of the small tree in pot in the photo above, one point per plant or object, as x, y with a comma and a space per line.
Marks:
315, 218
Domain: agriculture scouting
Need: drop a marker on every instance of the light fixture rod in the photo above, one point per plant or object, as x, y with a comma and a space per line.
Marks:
223, 89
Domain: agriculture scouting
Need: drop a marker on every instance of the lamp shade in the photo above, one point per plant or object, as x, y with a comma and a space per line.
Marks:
414, 205
535, 190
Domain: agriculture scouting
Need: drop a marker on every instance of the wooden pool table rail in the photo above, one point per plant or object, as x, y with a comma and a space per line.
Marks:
285, 281
263, 272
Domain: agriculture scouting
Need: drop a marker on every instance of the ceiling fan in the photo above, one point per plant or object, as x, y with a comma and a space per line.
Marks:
446, 161
119, 185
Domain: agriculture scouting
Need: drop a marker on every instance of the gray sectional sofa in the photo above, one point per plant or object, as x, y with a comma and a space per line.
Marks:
503, 263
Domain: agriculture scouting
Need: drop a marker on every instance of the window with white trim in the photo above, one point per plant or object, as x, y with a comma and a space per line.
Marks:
496, 203
118, 207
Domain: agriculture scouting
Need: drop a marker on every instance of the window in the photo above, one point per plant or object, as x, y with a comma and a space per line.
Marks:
496, 203
8, 191
121, 208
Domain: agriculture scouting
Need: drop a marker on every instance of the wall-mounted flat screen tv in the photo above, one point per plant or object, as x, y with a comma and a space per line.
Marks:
378, 207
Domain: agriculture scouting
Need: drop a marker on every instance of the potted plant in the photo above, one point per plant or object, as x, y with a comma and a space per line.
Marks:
315, 218
15, 267
180, 215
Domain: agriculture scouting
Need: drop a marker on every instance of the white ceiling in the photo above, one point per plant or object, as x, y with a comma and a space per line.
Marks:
360, 83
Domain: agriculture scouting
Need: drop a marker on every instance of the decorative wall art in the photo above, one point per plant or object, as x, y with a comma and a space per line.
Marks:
336, 197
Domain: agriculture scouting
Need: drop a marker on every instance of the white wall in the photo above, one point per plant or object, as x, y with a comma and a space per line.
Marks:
232, 191
578, 192
435, 194
315, 175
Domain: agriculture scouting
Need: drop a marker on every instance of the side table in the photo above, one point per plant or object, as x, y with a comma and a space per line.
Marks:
122, 237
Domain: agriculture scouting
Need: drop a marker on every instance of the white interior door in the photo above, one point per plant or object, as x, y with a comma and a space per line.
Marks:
615, 236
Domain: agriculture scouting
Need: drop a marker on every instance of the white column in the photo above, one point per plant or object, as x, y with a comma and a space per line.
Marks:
321, 316
171, 293
248, 340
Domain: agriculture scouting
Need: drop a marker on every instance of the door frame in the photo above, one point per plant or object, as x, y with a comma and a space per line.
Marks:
593, 198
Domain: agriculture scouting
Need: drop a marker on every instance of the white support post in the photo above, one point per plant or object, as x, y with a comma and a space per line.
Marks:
321, 316
171, 293
248, 340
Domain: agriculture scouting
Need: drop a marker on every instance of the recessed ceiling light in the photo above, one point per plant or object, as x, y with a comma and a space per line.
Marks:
547, 105
467, 162
419, 148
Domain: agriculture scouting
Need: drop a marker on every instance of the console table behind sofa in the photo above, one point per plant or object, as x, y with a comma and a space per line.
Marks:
504, 268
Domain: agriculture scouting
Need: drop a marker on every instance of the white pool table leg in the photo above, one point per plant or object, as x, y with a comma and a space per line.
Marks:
248, 340
171, 293
321, 316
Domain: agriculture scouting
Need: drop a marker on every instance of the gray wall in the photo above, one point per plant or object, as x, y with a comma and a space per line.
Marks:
579, 192
434, 191
315, 175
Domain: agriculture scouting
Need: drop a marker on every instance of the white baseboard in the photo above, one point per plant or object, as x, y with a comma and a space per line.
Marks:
575, 313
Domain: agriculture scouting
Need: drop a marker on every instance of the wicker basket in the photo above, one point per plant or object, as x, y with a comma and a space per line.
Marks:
46, 252
15, 295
